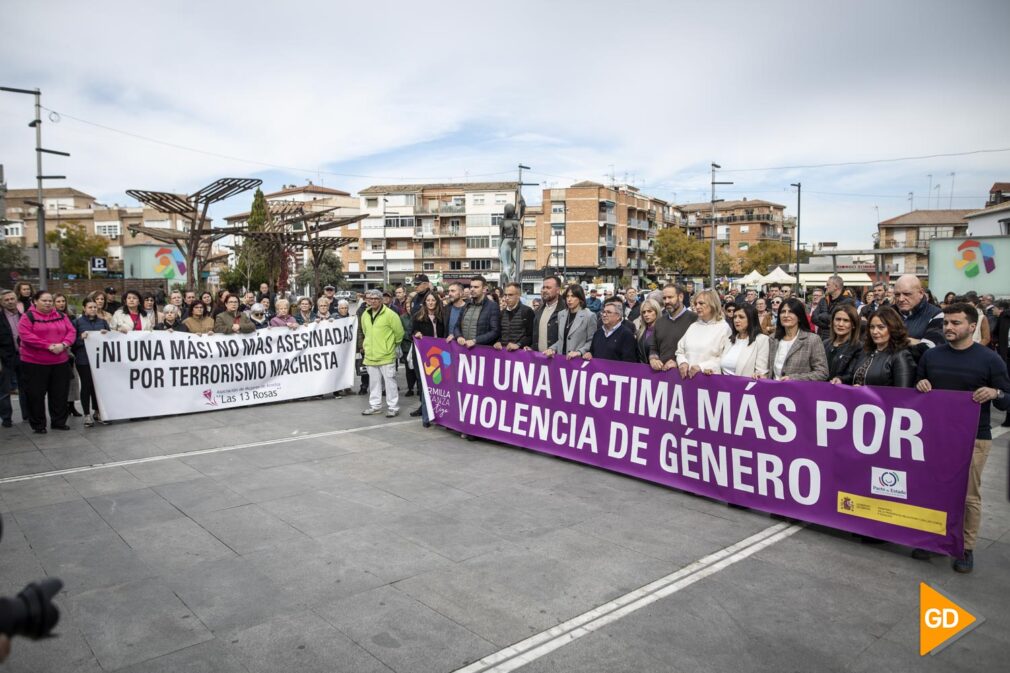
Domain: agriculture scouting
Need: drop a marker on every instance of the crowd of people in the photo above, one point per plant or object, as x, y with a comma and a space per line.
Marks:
896, 336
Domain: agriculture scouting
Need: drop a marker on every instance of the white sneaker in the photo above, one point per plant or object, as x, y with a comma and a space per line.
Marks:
89, 421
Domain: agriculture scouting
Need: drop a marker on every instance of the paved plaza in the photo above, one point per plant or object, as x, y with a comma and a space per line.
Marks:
314, 539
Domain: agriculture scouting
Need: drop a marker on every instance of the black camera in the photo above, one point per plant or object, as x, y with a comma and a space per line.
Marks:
31, 613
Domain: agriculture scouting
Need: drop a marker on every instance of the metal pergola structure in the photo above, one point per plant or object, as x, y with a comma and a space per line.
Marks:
292, 227
196, 243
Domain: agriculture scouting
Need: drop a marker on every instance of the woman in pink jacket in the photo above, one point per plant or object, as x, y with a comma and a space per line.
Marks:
46, 338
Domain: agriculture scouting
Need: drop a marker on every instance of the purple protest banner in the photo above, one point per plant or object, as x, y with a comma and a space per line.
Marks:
889, 463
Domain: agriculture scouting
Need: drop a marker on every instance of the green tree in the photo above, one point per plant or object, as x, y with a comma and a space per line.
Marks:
764, 256
677, 253
77, 247
331, 272
252, 263
12, 258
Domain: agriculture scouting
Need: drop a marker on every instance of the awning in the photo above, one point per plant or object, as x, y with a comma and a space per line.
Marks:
848, 278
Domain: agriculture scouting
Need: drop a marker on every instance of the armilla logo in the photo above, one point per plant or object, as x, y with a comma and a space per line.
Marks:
941, 621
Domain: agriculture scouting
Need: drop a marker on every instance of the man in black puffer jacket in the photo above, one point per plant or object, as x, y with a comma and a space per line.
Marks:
834, 296
516, 321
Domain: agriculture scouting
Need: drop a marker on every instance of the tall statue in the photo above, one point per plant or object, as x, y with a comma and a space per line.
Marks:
509, 251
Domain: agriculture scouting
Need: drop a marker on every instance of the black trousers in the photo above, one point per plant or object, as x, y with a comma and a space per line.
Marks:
87, 389
40, 382
407, 360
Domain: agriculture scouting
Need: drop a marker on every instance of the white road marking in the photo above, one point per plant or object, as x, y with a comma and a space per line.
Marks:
198, 452
534, 647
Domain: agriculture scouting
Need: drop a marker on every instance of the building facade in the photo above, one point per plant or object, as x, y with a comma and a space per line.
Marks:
904, 239
448, 231
738, 224
65, 206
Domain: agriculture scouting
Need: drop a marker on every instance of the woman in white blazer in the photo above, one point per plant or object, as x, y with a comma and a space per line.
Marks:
576, 326
746, 351
702, 345
132, 316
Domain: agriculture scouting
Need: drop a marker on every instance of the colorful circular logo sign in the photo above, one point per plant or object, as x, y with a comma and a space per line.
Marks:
888, 479
167, 261
437, 359
971, 250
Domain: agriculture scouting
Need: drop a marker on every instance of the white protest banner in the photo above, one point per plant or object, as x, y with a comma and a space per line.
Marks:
160, 373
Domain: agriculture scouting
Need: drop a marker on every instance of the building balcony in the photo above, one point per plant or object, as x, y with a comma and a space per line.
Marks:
608, 263
440, 209
608, 217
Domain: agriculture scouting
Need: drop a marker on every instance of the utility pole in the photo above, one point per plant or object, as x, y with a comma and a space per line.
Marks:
711, 249
39, 177
799, 194
951, 203
929, 192
911, 201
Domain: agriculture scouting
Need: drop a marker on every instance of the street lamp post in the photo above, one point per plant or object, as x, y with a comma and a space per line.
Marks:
799, 191
40, 214
711, 248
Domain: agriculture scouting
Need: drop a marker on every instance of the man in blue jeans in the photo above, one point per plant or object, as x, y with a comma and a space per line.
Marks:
9, 359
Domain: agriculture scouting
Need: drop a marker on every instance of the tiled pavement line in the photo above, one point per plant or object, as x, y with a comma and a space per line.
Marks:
534, 647
198, 452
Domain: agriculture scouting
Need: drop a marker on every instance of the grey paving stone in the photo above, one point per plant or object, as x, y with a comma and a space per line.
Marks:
971, 653
200, 495
134, 508
38, 493
32, 461
231, 592
67, 652
104, 482
603, 653
318, 513
388, 556
98, 561
446, 536
61, 523
305, 643
77, 456
313, 575
216, 465
174, 545
263, 485
163, 472
210, 656
247, 528
158, 623
404, 634
424, 492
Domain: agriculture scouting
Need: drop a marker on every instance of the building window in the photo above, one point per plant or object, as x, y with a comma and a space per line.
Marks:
429, 247
372, 202
529, 264
926, 233
478, 199
372, 266
454, 222
402, 244
744, 228
496, 219
108, 229
408, 199
455, 265
459, 201
743, 246
558, 208
500, 199
377, 245
480, 264
428, 266
352, 246
16, 230
478, 242
400, 222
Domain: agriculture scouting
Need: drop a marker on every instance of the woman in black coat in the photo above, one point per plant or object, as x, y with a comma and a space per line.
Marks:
885, 359
843, 344
427, 322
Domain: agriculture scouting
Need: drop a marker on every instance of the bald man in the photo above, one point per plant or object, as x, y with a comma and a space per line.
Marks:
923, 320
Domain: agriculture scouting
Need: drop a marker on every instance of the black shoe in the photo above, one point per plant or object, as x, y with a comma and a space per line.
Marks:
8, 423
362, 392
426, 424
338, 394
921, 554
72, 410
61, 427
415, 413
40, 431
409, 393
966, 563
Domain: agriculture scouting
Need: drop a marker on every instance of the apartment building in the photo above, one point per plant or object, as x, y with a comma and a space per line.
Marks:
738, 224
590, 231
69, 206
448, 231
905, 238
312, 197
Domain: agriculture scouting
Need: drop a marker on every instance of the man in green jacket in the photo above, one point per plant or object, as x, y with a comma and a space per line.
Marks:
383, 333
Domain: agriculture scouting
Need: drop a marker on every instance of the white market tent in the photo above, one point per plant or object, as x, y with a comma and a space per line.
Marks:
752, 278
777, 276
854, 279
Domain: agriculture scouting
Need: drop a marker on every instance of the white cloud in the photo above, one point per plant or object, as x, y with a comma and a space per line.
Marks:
392, 89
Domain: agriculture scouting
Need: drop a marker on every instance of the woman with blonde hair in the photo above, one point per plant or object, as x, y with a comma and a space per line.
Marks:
701, 347
645, 327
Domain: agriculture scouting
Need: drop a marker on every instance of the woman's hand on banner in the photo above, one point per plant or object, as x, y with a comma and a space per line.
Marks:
670, 364
656, 364
574, 355
549, 352
497, 346
587, 356
417, 335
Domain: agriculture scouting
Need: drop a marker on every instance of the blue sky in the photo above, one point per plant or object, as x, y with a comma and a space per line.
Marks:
653, 91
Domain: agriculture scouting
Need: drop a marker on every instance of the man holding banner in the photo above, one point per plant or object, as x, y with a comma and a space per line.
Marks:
961, 364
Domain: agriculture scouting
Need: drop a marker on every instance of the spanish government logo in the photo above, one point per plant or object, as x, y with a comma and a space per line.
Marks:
437, 359
971, 252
